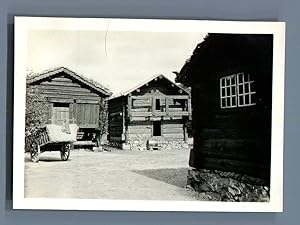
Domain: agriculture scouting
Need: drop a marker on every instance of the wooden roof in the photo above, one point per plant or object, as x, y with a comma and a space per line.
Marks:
220, 51
141, 84
54, 71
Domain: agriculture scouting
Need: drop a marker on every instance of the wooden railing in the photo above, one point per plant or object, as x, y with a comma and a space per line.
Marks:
171, 105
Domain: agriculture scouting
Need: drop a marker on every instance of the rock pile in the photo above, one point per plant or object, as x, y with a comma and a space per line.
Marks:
228, 186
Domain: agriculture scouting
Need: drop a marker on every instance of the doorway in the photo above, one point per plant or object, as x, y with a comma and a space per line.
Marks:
156, 128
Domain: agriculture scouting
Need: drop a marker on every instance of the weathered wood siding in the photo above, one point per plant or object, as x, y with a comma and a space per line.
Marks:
143, 130
83, 102
116, 119
173, 130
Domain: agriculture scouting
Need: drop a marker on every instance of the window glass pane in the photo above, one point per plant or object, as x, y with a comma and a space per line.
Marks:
233, 90
252, 87
246, 88
232, 80
228, 101
227, 81
253, 99
241, 90
247, 100
223, 104
241, 100
223, 92
228, 91
233, 101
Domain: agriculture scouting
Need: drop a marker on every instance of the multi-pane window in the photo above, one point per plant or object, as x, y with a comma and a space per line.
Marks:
237, 90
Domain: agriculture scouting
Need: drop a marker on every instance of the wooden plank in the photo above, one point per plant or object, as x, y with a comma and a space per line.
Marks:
167, 106
114, 114
59, 100
178, 113
174, 136
172, 124
140, 131
172, 130
129, 106
82, 97
62, 79
70, 93
65, 89
139, 118
119, 139
141, 97
142, 114
177, 96
87, 101
153, 105
88, 125
115, 124
60, 84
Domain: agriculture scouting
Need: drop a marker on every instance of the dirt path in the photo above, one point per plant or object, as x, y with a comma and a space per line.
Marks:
148, 175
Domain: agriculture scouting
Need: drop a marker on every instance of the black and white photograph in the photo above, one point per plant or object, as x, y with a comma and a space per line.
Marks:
148, 115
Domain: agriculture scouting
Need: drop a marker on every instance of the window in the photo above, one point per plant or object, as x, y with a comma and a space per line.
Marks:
237, 90
157, 104
156, 128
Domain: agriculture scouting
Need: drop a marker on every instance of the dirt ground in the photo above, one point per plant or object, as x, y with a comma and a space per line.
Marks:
132, 175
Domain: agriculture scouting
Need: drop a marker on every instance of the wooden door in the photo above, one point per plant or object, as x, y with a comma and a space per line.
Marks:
61, 112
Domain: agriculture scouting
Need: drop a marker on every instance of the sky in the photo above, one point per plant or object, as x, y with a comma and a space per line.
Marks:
116, 59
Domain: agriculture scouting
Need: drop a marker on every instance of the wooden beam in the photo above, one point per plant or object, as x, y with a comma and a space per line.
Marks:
129, 105
115, 114
190, 107
153, 105
167, 106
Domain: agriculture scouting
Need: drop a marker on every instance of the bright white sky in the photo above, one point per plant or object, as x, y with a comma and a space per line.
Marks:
127, 59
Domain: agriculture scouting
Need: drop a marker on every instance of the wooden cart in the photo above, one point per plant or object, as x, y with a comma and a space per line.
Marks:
40, 140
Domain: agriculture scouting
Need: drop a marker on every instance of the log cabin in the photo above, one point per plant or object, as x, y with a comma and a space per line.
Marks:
155, 111
230, 76
72, 97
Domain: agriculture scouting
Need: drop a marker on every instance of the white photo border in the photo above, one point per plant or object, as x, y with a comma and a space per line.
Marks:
24, 24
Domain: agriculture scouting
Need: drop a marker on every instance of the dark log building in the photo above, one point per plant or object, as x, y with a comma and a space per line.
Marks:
231, 80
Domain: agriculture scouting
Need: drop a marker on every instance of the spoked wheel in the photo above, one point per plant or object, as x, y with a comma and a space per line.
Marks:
65, 152
35, 152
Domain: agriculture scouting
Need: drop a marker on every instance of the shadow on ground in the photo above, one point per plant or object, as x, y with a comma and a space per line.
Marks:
173, 176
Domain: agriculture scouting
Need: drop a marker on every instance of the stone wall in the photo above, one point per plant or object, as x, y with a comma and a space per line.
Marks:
227, 186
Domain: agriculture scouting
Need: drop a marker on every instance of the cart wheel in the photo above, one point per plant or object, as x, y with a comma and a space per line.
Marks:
65, 152
35, 152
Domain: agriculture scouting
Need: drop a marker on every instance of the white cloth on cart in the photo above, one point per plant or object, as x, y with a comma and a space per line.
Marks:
57, 133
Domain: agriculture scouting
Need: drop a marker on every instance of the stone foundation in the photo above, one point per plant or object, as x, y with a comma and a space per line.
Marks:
159, 144
216, 185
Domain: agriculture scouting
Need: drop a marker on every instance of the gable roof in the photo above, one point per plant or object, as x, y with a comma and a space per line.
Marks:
51, 72
149, 79
222, 51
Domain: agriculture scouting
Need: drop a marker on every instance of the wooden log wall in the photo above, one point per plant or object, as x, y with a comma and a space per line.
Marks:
83, 102
237, 138
173, 130
170, 130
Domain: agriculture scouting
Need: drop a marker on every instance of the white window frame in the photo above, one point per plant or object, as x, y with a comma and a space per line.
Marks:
233, 91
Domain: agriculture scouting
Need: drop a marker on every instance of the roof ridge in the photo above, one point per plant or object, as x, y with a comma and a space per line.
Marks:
34, 77
142, 83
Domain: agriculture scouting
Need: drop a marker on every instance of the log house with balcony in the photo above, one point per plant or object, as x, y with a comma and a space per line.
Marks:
156, 110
